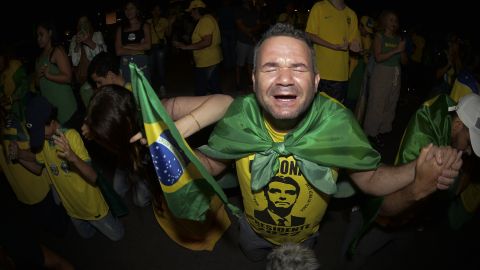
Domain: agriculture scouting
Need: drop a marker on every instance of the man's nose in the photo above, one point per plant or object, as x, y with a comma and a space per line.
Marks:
285, 76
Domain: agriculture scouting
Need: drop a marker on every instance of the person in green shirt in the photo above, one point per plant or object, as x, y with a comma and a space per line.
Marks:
442, 122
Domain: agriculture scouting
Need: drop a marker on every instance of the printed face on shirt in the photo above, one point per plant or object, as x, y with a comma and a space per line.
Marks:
284, 79
282, 195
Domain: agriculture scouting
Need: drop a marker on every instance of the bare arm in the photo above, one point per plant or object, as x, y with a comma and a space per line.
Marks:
434, 163
425, 183
87, 172
25, 157
132, 49
319, 41
213, 166
146, 43
385, 179
203, 43
194, 113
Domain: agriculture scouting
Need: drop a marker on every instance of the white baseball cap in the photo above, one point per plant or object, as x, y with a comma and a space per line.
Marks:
468, 110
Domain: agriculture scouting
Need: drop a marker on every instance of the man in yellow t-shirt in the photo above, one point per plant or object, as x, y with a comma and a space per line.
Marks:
67, 163
207, 52
287, 133
333, 27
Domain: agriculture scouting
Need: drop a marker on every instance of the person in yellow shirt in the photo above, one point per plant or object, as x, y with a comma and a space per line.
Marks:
30, 189
333, 28
207, 52
63, 155
284, 131
13, 84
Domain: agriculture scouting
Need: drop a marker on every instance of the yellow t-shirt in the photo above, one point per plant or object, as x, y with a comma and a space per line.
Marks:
158, 30
274, 221
80, 199
211, 55
334, 26
6, 77
28, 187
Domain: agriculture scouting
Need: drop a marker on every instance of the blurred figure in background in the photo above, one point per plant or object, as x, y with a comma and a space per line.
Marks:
333, 28
205, 45
385, 80
53, 75
133, 40
159, 30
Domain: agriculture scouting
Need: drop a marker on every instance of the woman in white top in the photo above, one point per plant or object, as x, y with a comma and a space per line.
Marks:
84, 46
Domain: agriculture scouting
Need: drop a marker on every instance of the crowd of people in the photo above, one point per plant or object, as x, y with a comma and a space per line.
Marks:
315, 96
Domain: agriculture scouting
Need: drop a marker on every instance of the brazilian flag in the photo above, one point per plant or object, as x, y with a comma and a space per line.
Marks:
187, 186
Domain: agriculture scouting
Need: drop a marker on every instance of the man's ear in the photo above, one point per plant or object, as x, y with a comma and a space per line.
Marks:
253, 81
317, 81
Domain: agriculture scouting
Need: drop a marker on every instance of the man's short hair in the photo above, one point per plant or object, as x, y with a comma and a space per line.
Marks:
102, 63
285, 180
290, 256
285, 30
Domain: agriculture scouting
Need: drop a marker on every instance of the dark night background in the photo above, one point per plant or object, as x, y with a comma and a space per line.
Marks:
145, 246
17, 22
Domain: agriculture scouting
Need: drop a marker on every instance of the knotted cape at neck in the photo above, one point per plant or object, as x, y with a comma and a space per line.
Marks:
328, 136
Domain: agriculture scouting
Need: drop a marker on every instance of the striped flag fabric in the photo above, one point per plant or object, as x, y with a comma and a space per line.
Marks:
187, 186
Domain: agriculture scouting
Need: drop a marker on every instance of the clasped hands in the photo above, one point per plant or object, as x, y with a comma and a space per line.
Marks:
436, 168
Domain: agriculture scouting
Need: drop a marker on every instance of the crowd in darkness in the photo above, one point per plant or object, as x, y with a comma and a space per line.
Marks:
276, 73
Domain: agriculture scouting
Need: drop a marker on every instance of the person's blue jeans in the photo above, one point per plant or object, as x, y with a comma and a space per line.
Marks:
207, 80
109, 225
157, 65
140, 191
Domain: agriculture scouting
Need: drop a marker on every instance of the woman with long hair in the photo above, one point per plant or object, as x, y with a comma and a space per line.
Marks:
53, 74
132, 40
384, 86
113, 122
